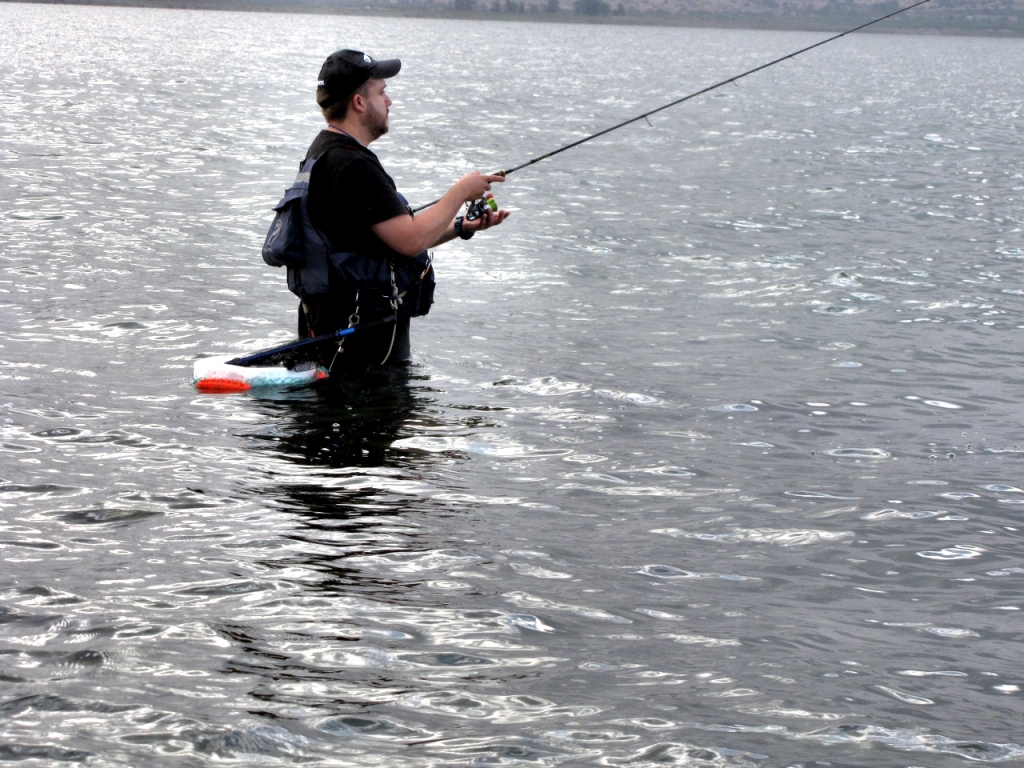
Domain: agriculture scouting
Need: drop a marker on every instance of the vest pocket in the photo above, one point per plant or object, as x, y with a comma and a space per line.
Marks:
362, 271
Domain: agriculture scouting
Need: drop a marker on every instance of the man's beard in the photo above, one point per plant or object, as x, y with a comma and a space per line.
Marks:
377, 122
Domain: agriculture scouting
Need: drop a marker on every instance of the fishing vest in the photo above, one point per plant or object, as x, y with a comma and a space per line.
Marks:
293, 242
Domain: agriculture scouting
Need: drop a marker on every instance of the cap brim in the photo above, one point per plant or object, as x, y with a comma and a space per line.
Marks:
384, 69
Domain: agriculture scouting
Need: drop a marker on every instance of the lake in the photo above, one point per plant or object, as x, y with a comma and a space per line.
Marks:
712, 454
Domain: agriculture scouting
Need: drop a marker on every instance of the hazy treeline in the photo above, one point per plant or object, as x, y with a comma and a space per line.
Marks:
950, 16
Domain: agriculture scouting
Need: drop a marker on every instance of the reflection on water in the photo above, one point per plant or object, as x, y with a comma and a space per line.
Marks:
336, 441
341, 422
710, 459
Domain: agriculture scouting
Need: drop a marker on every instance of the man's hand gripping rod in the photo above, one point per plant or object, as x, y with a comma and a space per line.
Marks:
475, 209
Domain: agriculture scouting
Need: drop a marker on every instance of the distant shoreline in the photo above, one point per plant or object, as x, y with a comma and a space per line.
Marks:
908, 24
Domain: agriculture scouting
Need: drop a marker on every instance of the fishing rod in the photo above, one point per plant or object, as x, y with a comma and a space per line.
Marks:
478, 205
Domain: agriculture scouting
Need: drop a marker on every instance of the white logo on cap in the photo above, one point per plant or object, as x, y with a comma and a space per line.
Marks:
367, 59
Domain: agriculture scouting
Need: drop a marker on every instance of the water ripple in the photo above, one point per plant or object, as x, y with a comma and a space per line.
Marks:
780, 537
546, 542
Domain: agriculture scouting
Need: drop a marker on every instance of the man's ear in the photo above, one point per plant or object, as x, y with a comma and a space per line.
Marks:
358, 103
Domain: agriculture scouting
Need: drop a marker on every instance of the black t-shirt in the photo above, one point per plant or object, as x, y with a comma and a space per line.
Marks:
349, 192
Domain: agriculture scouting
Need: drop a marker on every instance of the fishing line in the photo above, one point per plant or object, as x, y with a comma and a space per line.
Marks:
701, 92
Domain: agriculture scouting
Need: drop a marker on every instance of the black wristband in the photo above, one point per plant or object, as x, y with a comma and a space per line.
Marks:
458, 229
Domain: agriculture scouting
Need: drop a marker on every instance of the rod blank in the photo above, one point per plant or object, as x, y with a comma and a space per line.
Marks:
694, 95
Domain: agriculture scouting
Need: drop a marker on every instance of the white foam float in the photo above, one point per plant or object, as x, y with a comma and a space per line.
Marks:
215, 374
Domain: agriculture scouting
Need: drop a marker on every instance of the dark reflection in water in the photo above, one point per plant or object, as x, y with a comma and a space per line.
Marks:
347, 680
349, 422
342, 427
345, 425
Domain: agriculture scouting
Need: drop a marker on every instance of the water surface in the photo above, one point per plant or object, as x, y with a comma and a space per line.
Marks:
711, 455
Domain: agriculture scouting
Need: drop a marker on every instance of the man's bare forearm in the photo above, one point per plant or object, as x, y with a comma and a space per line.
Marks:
410, 235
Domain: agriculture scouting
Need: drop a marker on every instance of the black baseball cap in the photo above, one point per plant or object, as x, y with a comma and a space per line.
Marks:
345, 71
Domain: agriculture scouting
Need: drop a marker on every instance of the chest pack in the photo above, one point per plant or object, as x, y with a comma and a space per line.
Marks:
314, 267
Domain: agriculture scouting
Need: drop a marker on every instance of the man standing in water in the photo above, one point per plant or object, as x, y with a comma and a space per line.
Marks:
369, 227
